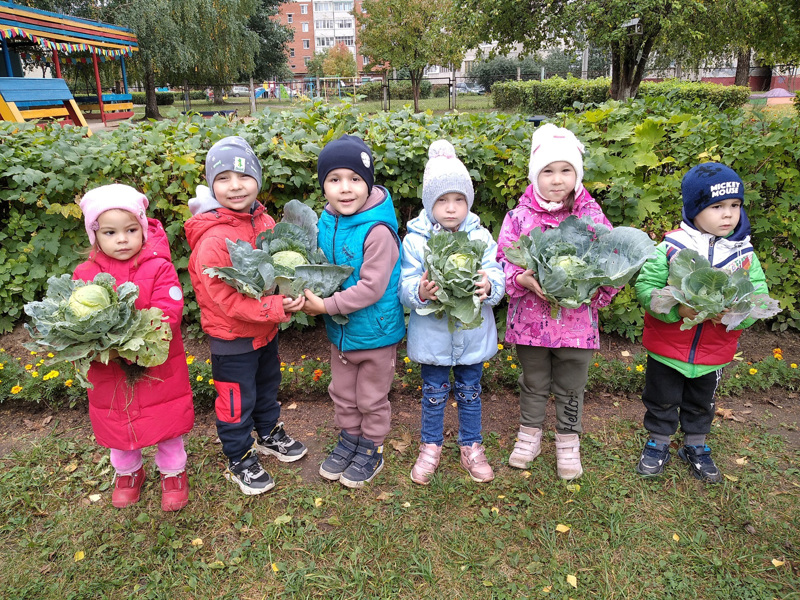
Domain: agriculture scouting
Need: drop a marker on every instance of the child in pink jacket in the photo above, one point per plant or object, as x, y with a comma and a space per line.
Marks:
554, 353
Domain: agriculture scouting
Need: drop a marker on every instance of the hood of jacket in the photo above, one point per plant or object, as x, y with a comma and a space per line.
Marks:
214, 215
156, 246
423, 226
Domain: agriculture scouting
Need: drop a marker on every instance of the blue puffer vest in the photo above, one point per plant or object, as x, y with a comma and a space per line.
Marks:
342, 240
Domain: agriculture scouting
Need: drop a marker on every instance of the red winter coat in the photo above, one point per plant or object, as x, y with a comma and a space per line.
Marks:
225, 313
159, 407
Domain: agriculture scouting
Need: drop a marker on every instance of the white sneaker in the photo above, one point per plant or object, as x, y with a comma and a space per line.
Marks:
568, 455
528, 447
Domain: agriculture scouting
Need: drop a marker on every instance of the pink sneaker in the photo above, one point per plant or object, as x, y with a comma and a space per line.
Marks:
426, 464
127, 488
568, 455
174, 491
473, 459
528, 447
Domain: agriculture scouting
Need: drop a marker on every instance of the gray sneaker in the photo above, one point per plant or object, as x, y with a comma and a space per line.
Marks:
279, 444
367, 462
701, 463
340, 458
655, 456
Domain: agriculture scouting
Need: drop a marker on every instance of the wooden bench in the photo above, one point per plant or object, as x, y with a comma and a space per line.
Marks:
24, 99
115, 106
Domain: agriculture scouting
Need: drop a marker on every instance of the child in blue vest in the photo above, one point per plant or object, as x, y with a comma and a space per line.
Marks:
684, 366
358, 228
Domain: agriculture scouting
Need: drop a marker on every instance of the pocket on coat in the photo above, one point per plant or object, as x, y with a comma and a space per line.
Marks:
228, 405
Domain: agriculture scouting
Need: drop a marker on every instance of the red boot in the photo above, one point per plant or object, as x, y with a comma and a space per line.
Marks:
174, 491
128, 488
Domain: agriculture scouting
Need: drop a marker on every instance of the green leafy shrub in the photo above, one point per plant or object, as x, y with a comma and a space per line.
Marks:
398, 90
162, 98
721, 96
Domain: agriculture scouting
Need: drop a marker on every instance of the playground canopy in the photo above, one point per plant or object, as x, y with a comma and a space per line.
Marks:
21, 26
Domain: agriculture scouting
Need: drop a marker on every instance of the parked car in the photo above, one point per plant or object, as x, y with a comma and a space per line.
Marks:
240, 90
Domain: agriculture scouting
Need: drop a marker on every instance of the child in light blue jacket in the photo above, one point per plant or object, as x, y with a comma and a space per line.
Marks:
447, 197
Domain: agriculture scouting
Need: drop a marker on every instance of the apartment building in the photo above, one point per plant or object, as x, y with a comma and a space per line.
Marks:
318, 26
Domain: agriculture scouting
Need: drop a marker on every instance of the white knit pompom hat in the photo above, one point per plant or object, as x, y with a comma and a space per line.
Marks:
551, 144
444, 173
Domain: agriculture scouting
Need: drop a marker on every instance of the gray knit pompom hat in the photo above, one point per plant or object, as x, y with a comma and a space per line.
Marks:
444, 173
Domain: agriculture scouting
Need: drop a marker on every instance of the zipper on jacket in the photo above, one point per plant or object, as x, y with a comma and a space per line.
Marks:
695, 343
711, 250
333, 253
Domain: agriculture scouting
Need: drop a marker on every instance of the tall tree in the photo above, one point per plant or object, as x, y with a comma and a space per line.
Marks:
339, 62
273, 42
413, 34
630, 31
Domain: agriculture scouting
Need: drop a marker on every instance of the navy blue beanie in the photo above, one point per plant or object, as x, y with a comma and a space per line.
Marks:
348, 152
707, 184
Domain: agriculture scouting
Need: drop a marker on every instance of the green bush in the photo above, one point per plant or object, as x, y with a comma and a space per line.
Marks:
398, 90
162, 98
441, 91
637, 153
556, 94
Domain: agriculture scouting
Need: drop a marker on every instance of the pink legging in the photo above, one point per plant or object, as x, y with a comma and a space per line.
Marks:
170, 458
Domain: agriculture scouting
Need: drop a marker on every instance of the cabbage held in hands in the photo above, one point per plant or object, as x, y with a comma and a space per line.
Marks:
693, 282
452, 261
572, 261
80, 321
285, 259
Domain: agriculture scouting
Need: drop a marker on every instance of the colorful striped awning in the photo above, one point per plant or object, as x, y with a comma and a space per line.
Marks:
64, 33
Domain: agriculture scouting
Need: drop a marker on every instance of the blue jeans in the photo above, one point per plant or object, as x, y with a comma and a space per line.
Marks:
436, 391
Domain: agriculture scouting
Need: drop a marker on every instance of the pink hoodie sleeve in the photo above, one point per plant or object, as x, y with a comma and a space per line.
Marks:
380, 255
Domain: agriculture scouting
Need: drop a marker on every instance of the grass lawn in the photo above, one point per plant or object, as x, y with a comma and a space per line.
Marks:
525, 535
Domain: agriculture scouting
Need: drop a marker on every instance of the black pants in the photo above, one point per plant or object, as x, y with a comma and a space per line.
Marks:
247, 387
670, 397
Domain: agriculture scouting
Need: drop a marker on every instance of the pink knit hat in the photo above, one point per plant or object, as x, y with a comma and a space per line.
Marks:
108, 197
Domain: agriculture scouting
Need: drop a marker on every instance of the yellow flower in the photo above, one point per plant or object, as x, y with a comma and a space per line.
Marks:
283, 364
210, 382
778, 356
40, 363
16, 389
596, 364
793, 365
68, 383
509, 358
640, 368
628, 368
189, 359
302, 356
777, 351
28, 367
199, 378
409, 370
302, 369
486, 365
2, 366
291, 370
50, 355
282, 369
50, 375
33, 352
753, 371
513, 366
406, 360
499, 346
208, 361
34, 373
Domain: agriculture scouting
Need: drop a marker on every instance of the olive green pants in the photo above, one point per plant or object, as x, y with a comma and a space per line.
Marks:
560, 371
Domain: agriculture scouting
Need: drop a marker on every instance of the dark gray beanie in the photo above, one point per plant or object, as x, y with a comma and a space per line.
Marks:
232, 153
707, 184
347, 152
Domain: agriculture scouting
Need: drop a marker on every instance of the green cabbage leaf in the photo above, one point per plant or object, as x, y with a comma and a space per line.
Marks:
693, 282
285, 260
452, 260
80, 321
572, 261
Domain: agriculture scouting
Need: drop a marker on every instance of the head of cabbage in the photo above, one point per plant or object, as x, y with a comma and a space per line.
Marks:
459, 261
288, 259
88, 299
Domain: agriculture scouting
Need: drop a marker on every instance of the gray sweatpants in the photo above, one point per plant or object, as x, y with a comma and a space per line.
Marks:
560, 371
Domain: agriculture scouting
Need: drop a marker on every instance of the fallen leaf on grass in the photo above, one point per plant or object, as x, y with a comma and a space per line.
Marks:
526, 474
71, 467
406, 504
80, 555
317, 502
778, 563
574, 488
495, 510
95, 497
197, 542
47, 420
625, 353
292, 406
731, 477
562, 528
750, 529
403, 443
727, 413
282, 520
676, 537
741, 461
275, 567
546, 589
383, 496
573, 581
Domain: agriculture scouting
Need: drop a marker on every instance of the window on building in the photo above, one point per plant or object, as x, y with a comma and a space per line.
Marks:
291, 52
305, 26
324, 42
306, 60
290, 18
324, 24
323, 6
347, 40
344, 23
306, 44
343, 6
304, 9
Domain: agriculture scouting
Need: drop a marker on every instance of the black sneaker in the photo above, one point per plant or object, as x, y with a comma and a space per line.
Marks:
367, 462
341, 457
279, 444
699, 459
248, 474
655, 456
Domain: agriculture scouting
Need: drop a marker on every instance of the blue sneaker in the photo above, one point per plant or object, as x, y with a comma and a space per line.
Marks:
701, 463
655, 456
367, 463
341, 457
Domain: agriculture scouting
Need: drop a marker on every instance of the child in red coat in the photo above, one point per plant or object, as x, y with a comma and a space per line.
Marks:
157, 409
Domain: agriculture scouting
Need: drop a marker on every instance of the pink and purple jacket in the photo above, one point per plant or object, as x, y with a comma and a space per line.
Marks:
529, 322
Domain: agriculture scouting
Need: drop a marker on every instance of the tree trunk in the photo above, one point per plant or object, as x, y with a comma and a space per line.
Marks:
629, 59
150, 106
416, 76
743, 67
